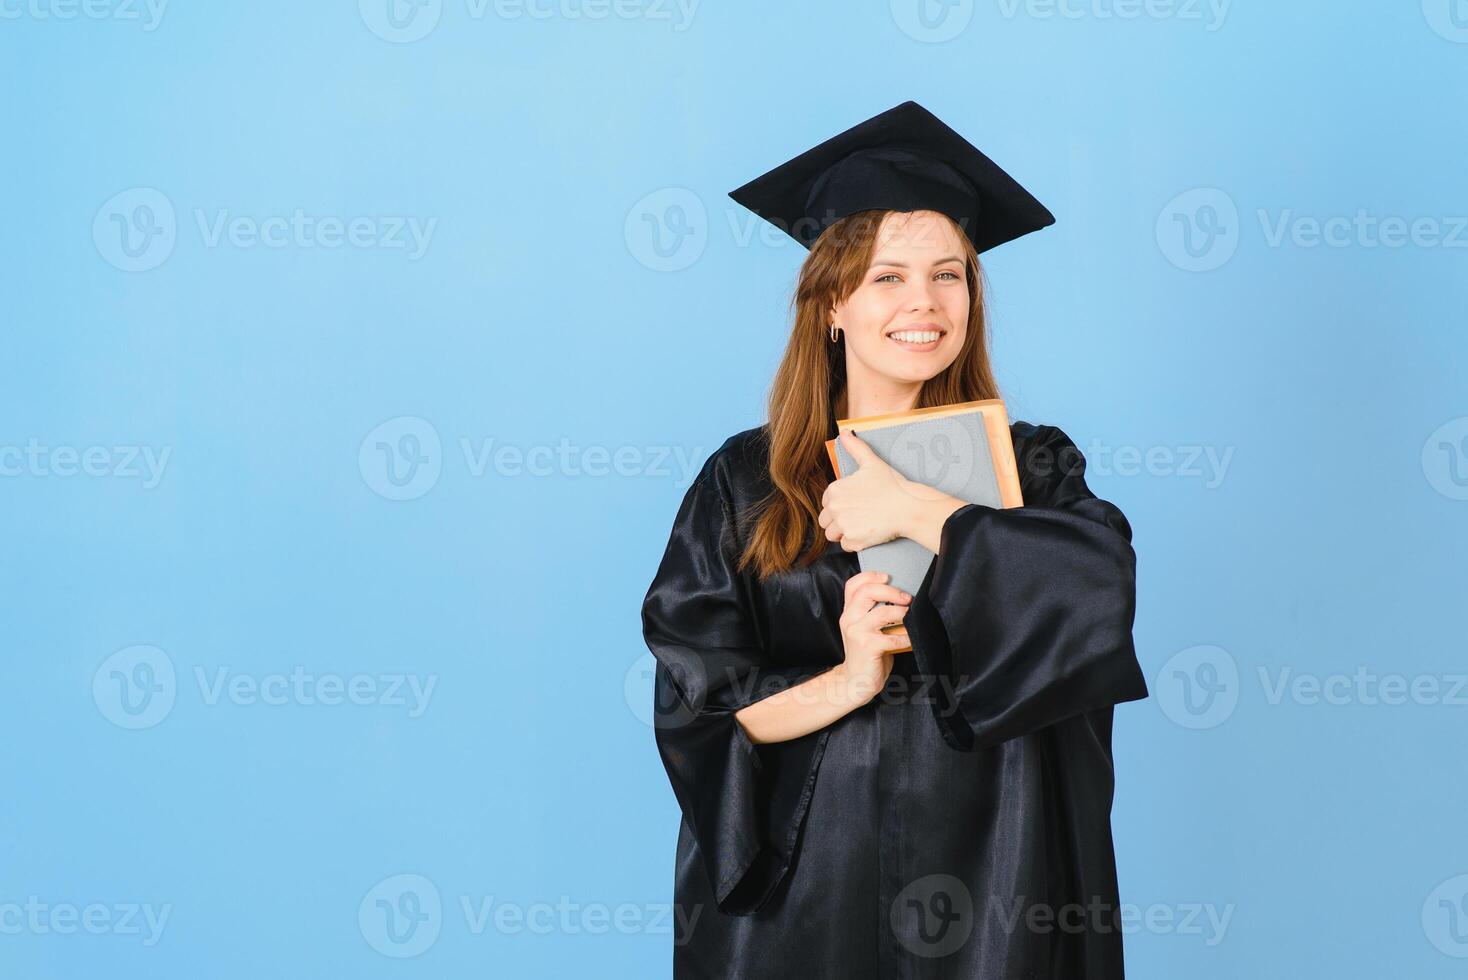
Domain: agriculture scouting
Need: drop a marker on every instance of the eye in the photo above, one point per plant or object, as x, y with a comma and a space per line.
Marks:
894, 277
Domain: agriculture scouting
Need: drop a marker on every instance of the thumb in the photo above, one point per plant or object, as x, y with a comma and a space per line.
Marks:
860, 451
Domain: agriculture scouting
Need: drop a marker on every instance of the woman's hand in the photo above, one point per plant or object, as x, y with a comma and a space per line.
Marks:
830, 695
876, 504
866, 507
868, 650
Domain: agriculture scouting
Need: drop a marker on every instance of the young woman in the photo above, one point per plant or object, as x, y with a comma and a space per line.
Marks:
850, 810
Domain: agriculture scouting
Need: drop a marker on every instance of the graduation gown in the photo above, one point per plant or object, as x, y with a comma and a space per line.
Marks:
957, 825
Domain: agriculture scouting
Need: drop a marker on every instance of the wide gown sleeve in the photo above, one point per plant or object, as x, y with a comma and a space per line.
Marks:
743, 803
1025, 616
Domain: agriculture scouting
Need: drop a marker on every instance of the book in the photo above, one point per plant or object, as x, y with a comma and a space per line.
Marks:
964, 450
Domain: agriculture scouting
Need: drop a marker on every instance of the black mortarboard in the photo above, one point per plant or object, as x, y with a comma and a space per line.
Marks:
906, 159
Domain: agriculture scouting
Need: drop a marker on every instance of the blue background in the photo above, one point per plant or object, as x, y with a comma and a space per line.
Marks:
587, 287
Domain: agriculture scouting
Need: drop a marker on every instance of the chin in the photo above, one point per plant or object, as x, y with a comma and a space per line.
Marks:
911, 374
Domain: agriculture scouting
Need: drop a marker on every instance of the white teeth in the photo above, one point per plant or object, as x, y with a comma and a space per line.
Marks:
915, 336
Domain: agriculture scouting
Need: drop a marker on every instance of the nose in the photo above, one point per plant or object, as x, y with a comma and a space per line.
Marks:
922, 298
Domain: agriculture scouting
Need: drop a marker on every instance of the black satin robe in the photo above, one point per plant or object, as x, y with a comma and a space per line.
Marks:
958, 825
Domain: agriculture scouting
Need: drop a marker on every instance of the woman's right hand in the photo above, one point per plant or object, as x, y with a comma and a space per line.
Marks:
869, 651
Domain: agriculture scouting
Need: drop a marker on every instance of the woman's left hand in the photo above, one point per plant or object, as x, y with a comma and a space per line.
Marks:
869, 506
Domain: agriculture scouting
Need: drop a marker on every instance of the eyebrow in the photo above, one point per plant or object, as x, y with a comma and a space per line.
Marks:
903, 265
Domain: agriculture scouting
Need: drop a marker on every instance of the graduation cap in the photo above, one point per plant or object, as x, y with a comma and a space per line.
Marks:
905, 159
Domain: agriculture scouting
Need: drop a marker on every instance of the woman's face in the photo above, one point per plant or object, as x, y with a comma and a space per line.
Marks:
906, 322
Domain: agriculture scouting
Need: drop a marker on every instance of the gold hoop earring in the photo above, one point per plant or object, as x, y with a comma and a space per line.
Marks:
834, 330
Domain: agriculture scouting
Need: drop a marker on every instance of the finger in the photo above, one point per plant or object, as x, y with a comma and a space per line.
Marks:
862, 578
833, 533
851, 612
823, 518
859, 450
869, 595
883, 591
900, 641
883, 615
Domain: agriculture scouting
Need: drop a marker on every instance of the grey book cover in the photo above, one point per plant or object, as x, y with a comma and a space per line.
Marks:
950, 453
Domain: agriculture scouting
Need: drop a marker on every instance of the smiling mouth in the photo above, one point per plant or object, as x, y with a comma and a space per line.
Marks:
923, 338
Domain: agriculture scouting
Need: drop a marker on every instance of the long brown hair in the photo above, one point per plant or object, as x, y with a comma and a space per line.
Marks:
810, 379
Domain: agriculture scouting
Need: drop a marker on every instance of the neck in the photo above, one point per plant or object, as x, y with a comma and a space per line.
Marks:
865, 395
